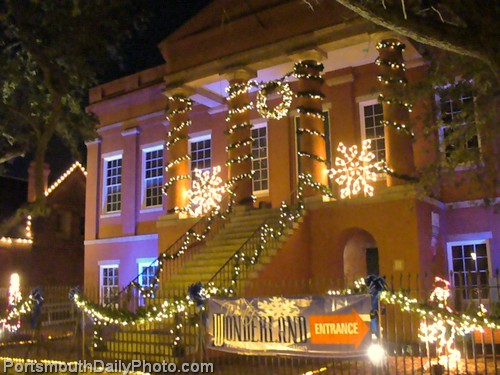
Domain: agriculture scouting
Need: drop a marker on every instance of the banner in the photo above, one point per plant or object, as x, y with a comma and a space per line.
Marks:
322, 326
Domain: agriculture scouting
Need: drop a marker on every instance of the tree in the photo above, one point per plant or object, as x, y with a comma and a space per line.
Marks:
460, 41
467, 28
51, 52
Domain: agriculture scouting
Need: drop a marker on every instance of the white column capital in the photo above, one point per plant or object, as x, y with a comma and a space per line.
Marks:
314, 54
183, 90
241, 74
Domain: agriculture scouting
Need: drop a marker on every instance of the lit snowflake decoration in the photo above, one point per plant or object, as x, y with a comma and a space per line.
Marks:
355, 169
277, 307
206, 192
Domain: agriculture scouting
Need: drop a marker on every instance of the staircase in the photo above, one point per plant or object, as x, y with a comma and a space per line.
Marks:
216, 252
153, 341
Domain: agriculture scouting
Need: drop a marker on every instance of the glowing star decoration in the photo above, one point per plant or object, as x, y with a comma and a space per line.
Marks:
206, 192
441, 331
355, 169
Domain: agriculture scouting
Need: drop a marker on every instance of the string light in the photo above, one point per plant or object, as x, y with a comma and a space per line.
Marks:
399, 126
282, 109
240, 88
64, 176
391, 64
386, 80
387, 100
354, 170
389, 44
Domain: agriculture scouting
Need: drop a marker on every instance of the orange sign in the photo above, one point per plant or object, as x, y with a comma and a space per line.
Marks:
338, 329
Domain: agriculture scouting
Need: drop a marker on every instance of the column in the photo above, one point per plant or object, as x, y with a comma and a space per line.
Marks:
177, 150
398, 134
94, 176
129, 180
239, 134
311, 132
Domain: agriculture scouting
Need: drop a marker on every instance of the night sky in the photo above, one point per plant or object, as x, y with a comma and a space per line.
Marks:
139, 53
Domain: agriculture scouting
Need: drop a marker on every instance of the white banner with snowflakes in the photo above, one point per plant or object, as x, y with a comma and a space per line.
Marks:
321, 326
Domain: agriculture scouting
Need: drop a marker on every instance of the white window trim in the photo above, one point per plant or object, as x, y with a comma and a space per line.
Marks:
361, 105
198, 137
145, 149
442, 151
107, 264
263, 193
110, 156
470, 239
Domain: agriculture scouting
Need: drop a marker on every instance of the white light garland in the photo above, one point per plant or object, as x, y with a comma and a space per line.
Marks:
282, 109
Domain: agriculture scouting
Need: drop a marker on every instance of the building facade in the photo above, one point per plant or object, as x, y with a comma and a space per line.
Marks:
159, 125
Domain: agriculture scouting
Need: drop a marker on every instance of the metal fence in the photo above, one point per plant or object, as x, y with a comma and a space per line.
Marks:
63, 334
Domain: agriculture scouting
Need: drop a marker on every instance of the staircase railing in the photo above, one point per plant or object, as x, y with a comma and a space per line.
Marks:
170, 261
268, 236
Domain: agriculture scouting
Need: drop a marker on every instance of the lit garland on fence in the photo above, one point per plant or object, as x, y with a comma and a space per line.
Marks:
174, 137
15, 313
282, 109
355, 169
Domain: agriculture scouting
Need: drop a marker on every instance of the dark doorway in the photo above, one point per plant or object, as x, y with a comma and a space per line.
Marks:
372, 261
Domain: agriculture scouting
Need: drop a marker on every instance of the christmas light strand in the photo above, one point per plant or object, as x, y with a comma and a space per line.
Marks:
392, 45
396, 101
399, 126
312, 156
242, 143
279, 111
174, 136
391, 64
386, 80
311, 132
236, 89
310, 95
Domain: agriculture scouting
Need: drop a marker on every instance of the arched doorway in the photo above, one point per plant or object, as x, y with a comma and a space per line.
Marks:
361, 256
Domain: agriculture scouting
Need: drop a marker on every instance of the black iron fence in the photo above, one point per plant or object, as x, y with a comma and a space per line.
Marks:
64, 334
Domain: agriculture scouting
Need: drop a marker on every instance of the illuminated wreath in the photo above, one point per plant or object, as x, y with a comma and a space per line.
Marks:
282, 108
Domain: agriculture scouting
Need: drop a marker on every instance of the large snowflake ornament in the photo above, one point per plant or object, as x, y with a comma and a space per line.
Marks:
277, 307
206, 192
355, 169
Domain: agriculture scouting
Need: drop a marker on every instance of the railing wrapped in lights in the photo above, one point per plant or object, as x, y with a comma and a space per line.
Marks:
174, 257
227, 280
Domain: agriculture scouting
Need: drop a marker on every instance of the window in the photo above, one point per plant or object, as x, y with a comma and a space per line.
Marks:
153, 176
326, 123
147, 272
458, 134
201, 152
113, 184
109, 283
371, 116
469, 266
260, 179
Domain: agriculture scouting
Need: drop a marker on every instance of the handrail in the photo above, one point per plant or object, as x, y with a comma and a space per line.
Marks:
207, 225
255, 246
